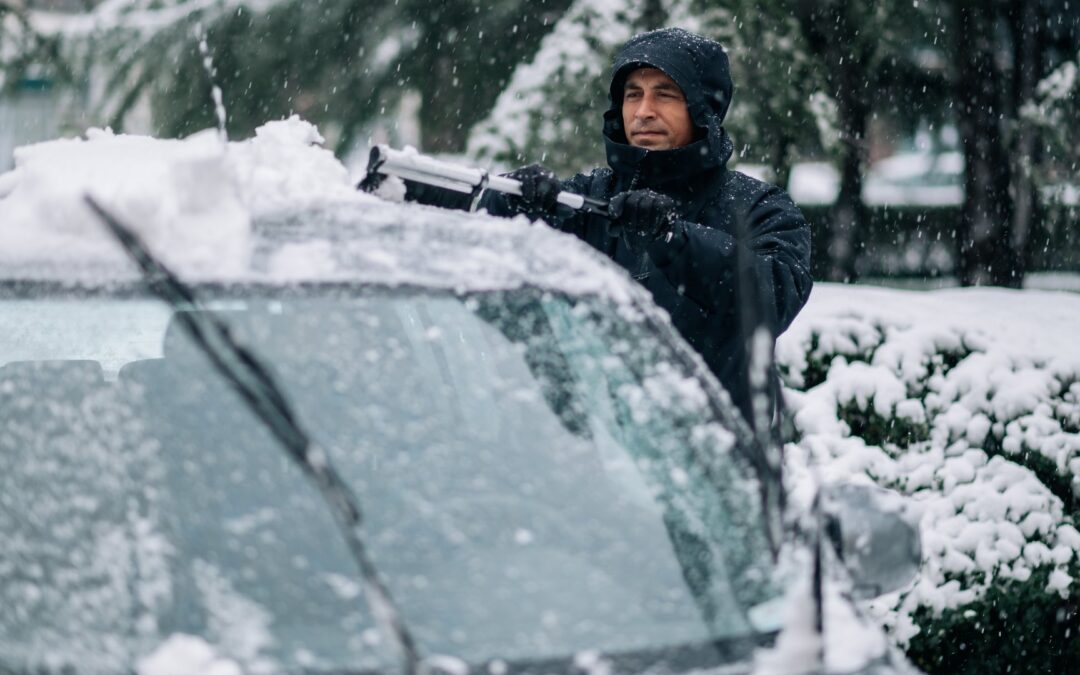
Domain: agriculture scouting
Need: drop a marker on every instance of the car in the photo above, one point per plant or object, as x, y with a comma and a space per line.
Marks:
388, 437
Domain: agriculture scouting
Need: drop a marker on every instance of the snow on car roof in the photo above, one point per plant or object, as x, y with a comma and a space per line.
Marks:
273, 208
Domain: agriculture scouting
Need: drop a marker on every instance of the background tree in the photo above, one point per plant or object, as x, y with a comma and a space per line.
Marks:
810, 76
852, 46
780, 110
340, 63
22, 48
551, 111
997, 51
1052, 110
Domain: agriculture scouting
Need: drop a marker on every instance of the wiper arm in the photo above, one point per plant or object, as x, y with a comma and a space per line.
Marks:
241, 368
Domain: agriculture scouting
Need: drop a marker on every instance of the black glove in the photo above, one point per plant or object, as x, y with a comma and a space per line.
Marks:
539, 189
642, 215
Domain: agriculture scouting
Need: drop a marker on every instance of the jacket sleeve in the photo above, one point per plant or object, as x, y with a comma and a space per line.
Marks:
771, 246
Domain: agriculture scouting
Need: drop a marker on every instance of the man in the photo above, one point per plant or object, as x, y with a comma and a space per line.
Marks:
723, 253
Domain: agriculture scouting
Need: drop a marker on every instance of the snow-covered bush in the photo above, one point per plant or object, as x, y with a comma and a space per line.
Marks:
982, 431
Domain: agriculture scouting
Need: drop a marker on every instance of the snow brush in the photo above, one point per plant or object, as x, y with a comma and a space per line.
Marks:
409, 164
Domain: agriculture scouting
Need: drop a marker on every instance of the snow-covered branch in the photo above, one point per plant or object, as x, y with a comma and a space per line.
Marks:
142, 16
557, 97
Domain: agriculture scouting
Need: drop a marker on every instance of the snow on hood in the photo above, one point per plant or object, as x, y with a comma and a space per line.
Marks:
193, 199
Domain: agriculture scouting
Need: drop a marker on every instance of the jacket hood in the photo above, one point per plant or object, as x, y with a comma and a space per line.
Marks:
700, 67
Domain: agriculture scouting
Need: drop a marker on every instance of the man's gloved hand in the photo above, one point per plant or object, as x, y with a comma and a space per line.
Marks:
643, 215
539, 189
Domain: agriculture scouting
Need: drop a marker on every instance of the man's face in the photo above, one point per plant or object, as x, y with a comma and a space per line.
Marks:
654, 111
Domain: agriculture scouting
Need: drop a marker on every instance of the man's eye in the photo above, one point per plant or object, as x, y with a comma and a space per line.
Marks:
633, 94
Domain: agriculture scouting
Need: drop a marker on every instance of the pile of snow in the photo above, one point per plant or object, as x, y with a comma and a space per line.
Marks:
193, 198
195, 203
850, 642
183, 654
988, 382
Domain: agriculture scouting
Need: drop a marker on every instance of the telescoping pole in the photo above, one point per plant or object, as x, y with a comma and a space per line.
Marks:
410, 165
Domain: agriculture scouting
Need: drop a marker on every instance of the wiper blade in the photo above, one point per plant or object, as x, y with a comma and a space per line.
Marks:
242, 369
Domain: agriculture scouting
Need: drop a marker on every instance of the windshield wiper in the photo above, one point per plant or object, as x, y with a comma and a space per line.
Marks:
257, 387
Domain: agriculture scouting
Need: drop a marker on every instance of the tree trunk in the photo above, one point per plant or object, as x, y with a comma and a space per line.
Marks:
985, 253
653, 15
441, 127
1024, 17
780, 162
833, 36
848, 213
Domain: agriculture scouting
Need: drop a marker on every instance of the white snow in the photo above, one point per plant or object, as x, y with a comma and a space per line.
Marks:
1019, 324
1059, 84
183, 654
814, 183
985, 515
574, 51
144, 16
193, 198
850, 640
194, 202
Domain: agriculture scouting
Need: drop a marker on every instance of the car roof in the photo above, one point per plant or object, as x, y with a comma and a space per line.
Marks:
273, 208
413, 245
358, 239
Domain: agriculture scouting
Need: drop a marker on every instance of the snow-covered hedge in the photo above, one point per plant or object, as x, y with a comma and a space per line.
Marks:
968, 402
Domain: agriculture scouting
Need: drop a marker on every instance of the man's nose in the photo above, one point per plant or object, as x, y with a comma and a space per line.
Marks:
645, 109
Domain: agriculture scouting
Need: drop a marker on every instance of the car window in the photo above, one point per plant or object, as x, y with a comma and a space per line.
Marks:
82, 328
537, 477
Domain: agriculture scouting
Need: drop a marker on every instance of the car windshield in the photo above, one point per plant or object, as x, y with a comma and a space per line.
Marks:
539, 479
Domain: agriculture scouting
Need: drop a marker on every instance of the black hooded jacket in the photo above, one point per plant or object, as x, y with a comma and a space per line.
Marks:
741, 257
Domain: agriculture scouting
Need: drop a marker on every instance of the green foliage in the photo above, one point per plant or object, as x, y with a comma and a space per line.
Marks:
776, 113
856, 347
816, 368
1056, 105
1056, 479
551, 112
342, 64
888, 432
1057, 102
1011, 626
23, 49
1016, 627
